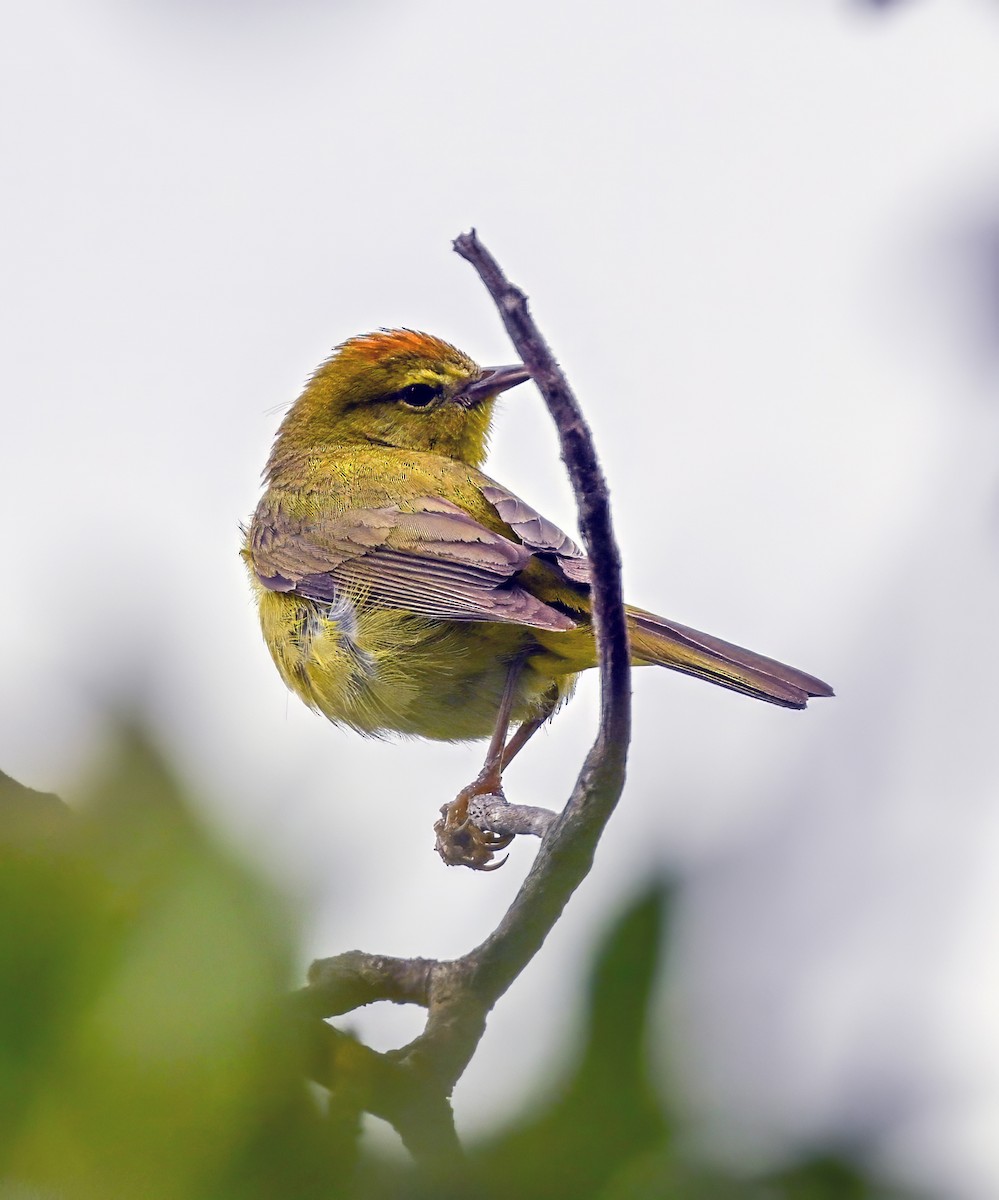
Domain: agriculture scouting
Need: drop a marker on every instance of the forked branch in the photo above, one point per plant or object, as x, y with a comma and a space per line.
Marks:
411, 1085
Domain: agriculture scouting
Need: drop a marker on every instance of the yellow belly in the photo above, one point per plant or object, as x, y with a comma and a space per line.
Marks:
382, 670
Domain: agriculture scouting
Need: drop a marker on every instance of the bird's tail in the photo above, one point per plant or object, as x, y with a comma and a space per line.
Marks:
656, 640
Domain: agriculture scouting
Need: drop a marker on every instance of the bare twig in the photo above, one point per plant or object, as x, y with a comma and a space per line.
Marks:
566, 853
498, 815
459, 994
354, 979
360, 1079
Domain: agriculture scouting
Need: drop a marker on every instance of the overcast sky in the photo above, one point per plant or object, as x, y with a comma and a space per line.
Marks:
755, 234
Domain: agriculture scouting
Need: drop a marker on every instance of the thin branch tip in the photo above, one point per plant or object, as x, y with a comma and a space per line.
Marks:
466, 243
566, 851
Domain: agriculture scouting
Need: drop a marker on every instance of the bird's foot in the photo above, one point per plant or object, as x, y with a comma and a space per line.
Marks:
460, 842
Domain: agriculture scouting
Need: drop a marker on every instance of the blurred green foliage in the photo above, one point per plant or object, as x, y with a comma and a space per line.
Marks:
149, 1051
143, 1047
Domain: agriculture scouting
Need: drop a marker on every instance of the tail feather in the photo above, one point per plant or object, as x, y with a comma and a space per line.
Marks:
656, 640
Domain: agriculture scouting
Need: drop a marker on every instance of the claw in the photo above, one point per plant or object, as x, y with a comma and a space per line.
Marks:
496, 865
460, 842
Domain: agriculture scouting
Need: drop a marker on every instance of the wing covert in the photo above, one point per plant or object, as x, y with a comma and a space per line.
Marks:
538, 533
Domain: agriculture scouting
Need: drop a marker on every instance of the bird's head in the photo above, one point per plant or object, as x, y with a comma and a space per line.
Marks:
397, 388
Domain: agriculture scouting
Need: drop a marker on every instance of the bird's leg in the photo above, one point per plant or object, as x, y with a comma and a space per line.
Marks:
527, 729
490, 778
459, 842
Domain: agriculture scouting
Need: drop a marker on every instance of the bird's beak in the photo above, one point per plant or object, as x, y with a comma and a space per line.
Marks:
492, 381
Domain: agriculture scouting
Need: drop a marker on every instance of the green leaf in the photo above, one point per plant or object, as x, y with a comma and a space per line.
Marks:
607, 1111
144, 1046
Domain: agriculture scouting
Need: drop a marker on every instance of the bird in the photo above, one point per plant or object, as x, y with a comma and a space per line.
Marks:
403, 591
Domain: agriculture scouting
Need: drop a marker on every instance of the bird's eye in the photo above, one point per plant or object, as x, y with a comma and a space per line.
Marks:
418, 395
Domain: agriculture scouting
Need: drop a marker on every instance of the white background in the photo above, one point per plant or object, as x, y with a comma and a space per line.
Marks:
757, 234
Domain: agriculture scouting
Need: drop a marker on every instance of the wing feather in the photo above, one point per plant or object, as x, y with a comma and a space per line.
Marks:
429, 557
538, 533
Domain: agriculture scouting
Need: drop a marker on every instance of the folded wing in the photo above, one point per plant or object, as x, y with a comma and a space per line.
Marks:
427, 556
